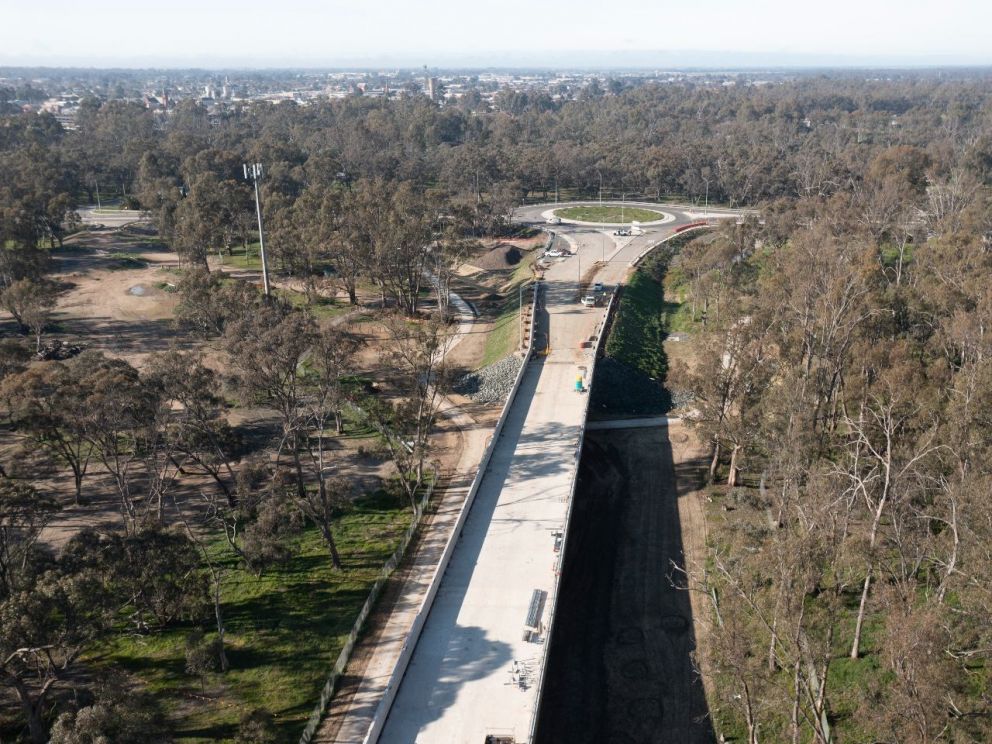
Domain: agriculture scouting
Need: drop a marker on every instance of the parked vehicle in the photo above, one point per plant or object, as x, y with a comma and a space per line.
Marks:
554, 253
597, 287
554, 220
589, 301
623, 231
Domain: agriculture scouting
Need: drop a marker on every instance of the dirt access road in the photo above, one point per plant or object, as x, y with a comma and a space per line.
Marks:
620, 668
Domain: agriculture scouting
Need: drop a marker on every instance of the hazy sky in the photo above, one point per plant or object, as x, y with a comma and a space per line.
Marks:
436, 32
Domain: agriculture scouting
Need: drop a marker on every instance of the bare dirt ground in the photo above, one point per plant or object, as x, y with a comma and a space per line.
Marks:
621, 664
115, 301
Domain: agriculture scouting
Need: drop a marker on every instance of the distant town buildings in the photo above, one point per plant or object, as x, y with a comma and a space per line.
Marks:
161, 91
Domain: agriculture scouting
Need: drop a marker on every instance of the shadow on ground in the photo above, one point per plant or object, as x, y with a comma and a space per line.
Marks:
620, 667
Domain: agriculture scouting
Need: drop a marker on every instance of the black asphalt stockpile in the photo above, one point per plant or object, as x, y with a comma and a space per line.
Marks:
619, 667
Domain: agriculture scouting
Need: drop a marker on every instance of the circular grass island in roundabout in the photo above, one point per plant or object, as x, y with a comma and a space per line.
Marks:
609, 214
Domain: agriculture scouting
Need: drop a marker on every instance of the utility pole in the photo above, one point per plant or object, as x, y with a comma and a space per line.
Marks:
600, 188
254, 172
706, 207
96, 187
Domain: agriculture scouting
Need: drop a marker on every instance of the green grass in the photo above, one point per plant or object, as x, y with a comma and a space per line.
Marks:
525, 269
678, 317
321, 308
239, 260
608, 214
504, 337
284, 630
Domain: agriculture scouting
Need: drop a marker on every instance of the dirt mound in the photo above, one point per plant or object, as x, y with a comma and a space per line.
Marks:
502, 256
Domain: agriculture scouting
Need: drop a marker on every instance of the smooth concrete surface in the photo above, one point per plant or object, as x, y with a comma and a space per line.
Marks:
632, 423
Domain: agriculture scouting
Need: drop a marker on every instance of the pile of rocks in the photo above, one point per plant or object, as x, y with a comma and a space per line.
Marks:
490, 384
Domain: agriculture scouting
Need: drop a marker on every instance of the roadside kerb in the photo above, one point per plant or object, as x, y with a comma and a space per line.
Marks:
650, 248
553, 599
382, 710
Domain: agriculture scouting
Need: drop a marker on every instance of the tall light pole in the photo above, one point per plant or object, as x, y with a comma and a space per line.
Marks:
706, 207
600, 187
254, 172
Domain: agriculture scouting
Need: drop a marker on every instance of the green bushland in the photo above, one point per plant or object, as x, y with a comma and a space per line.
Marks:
609, 214
630, 379
284, 629
852, 681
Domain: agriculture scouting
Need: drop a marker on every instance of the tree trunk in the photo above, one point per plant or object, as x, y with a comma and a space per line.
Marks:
953, 560
32, 713
795, 702
224, 665
732, 475
752, 724
715, 461
301, 487
332, 548
856, 644
77, 478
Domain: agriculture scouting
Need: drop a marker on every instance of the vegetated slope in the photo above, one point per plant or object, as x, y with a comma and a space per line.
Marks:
630, 378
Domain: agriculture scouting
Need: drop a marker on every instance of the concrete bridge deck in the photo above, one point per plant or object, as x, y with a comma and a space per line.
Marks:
475, 671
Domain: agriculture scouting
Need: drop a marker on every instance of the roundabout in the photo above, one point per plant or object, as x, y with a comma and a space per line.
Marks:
610, 214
